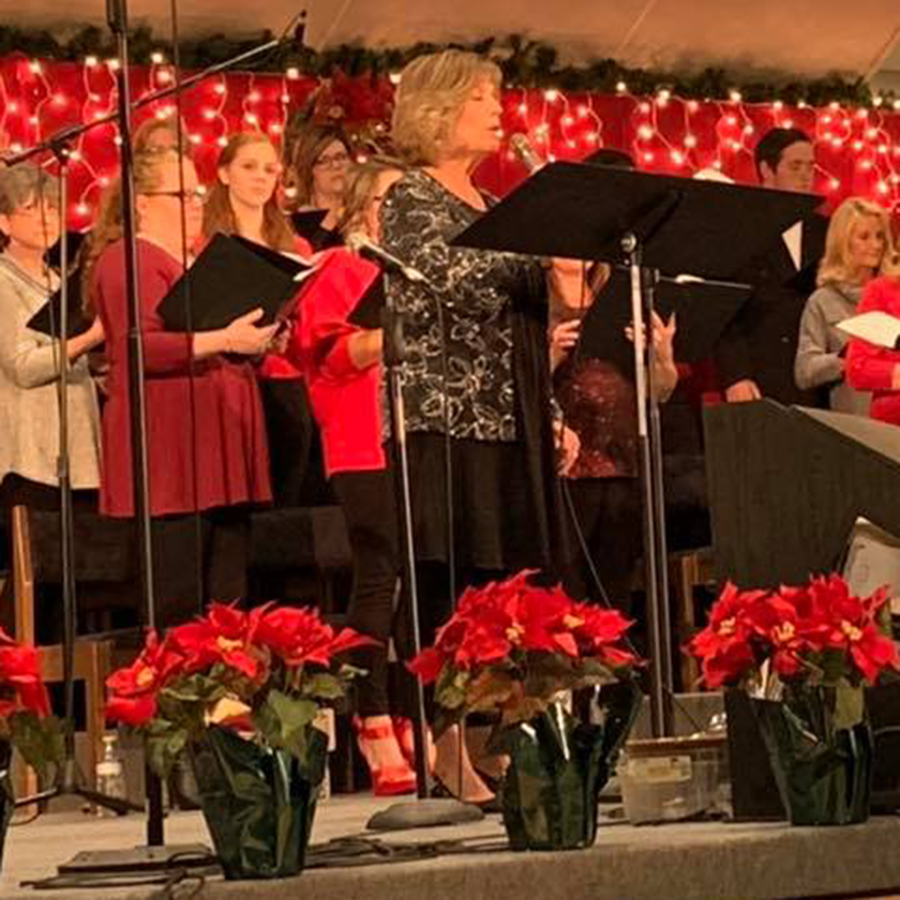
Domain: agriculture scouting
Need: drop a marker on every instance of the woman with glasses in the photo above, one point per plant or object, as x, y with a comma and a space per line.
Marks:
206, 439
30, 360
316, 180
243, 201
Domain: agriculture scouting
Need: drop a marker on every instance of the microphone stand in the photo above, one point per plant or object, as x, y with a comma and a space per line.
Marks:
425, 811
117, 16
69, 779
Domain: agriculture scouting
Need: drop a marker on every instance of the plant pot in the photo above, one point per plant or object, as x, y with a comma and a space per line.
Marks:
258, 803
822, 760
7, 801
557, 768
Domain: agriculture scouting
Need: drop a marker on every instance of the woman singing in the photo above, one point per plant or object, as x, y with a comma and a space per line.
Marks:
205, 432
486, 314
243, 202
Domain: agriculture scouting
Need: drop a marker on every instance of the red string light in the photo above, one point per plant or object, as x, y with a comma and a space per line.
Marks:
857, 150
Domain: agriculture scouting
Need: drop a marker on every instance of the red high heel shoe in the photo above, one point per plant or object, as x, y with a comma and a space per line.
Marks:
403, 728
387, 781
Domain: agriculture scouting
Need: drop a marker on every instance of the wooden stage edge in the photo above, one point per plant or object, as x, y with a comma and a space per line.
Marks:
690, 861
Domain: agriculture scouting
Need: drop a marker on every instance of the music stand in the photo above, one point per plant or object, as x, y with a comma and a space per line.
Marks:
662, 225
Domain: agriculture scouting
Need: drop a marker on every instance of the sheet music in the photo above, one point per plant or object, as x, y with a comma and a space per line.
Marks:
876, 327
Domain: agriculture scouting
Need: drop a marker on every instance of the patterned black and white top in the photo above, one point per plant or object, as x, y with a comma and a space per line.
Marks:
476, 290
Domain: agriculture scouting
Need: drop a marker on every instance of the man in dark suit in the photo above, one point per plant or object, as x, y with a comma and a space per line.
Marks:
755, 357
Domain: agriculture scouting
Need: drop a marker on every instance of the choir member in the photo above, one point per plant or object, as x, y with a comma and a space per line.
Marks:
243, 201
855, 246
486, 314
206, 440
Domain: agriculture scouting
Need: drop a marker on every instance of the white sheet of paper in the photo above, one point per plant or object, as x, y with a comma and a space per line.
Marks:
876, 327
793, 238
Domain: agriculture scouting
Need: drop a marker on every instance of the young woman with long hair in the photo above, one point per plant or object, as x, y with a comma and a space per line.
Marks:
243, 201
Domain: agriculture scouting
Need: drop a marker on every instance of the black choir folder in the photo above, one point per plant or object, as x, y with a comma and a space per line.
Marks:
231, 277
47, 318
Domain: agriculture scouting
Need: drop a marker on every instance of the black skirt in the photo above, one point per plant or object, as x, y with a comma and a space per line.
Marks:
508, 512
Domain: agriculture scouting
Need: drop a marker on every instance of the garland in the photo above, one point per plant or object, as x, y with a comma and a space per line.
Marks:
525, 64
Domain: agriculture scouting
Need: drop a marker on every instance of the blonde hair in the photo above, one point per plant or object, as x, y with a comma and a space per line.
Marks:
430, 97
361, 183
148, 176
218, 213
837, 263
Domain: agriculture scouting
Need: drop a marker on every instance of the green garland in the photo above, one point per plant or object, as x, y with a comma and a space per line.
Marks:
525, 63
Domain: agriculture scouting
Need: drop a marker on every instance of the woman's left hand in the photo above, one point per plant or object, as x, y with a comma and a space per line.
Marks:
568, 446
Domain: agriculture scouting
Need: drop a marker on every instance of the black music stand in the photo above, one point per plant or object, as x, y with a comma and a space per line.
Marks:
662, 225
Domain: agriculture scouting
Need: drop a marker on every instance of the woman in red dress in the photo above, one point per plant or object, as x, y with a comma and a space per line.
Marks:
206, 440
243, 201
870, 367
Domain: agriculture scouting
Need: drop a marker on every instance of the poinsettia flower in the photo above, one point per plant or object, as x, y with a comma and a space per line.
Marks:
134, 711
158, 663
724, 647
427, 665
300, 636
20, 669
226, 636
853, 626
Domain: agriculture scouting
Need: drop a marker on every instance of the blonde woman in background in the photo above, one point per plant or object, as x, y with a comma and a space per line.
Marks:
857, 244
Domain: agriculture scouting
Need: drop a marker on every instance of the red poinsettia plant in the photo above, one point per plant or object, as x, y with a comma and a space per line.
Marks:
263, 673
514, 646
815, 634
25, 718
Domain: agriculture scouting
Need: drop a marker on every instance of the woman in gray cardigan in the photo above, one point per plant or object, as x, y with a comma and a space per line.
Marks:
858, 236
30, 360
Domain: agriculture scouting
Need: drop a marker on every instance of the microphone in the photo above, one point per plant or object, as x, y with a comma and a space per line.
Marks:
360, 243
521, 146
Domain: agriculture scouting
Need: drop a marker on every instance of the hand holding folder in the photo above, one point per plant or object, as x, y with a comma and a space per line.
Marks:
231, 278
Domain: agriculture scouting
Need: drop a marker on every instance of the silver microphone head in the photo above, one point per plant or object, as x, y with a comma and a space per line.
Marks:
522, 148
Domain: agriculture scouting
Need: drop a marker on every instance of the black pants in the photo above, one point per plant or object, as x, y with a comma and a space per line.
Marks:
369, 505
197, 561
608, 511
294, 449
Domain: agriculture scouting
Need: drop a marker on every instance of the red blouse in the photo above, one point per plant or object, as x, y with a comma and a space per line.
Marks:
869, 367
346, 401
220, 435
277, 365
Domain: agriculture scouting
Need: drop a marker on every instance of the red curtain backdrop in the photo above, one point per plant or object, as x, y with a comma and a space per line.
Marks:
857, 150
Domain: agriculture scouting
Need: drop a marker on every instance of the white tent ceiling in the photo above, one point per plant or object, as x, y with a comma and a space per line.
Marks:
806, 37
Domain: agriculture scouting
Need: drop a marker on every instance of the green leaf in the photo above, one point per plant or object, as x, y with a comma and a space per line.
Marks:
323, 686
285, 722
39, 741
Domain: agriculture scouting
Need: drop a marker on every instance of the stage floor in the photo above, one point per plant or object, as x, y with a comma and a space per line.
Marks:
699, 861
